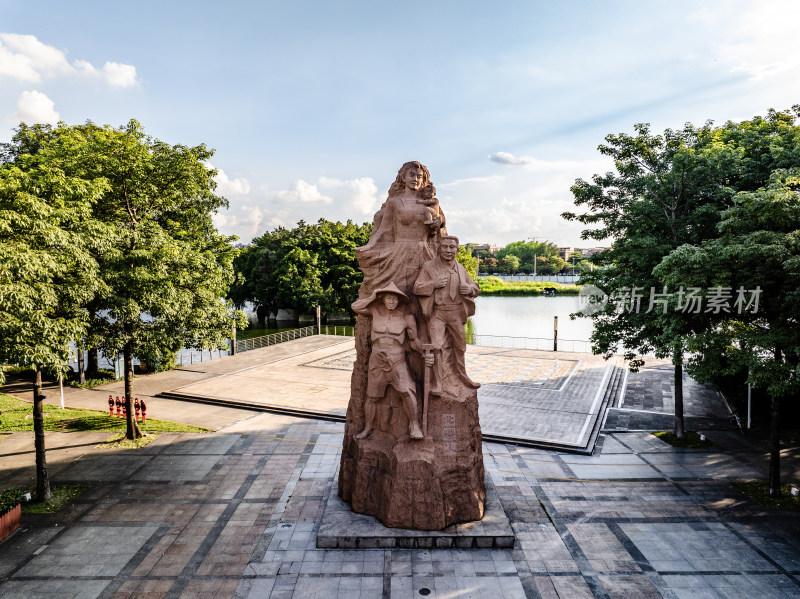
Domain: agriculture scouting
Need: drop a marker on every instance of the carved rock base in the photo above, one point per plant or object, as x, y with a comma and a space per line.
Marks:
425, 484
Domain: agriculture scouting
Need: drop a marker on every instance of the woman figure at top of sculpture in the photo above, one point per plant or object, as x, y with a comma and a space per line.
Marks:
404, 232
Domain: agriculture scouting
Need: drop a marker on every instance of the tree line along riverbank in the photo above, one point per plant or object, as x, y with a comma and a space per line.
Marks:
497, 286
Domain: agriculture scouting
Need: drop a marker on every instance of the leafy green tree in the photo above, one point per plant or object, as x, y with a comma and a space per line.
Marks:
549, 265
510, 264
532, 255
169, 270
165, 271
668, 193
470, 264
488, 264
662, 195
755, 263
47, 266
301, 267
298, 280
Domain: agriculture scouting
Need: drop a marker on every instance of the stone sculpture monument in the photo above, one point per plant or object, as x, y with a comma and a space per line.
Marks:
412, 454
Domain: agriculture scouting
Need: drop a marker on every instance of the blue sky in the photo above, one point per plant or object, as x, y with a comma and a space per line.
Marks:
312, 106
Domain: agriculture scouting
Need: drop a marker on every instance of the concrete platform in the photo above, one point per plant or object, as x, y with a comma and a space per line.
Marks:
342, 528
553, 400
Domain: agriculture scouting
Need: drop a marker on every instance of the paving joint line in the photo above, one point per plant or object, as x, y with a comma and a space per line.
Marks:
579, 557
133, 563
649, 571
761, 553
178, 587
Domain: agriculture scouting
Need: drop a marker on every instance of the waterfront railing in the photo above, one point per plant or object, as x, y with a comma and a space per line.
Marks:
274, 338
537, 343
345, 331
503, 341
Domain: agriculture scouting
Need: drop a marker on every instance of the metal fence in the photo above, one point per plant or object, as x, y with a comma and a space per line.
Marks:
345, 331
274, 338
537, 343
192, 356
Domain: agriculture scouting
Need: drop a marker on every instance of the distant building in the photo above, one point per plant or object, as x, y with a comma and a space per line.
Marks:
565, 253
492, 249
589, 252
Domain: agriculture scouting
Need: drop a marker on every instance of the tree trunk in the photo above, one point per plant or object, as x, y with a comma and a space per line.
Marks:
677, 360
775, 448
94, 363
42, 480
81, 365
133, 431
775, 441
262, 313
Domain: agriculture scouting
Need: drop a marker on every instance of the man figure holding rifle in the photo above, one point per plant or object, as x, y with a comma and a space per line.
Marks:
446, 294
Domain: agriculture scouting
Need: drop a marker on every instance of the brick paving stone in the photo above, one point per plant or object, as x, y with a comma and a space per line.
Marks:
626, 586
220, 532
677, 546
243, 522
556, 587
603, 548
47, 589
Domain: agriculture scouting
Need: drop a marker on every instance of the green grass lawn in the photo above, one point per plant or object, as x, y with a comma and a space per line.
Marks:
17, 415
759, 492
497, 286
62, 495
692, 440
104, 377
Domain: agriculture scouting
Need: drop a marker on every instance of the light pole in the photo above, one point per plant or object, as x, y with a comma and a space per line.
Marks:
533, 239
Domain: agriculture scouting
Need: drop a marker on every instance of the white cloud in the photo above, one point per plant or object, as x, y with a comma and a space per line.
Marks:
120, 75
245, 221
492, 179
265, 208
358, 194
25, 58
35, 107
764, 41
345, 196
510, 159
524, 203
226, 186
302, 193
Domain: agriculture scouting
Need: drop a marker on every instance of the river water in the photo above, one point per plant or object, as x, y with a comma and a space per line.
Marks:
525, 316
496, 318
529, 316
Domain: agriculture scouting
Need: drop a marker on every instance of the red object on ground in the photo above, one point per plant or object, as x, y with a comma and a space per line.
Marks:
118, 403
110, 405
144, 409
10, 521
136, 407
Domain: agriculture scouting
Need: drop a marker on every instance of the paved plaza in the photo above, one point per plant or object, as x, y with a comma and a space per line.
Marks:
543, 397
235, 513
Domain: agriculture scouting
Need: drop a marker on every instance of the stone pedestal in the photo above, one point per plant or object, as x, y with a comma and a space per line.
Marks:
342, 528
